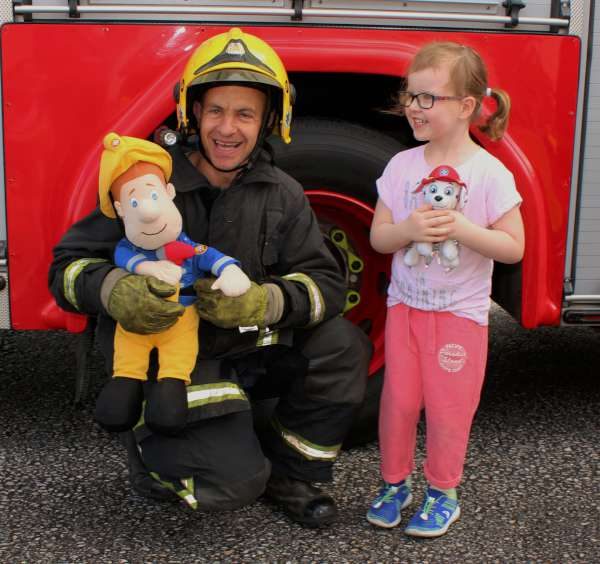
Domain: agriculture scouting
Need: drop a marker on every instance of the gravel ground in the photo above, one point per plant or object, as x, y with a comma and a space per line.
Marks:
531, 493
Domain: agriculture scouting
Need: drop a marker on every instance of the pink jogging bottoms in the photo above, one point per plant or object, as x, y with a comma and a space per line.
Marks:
434, 360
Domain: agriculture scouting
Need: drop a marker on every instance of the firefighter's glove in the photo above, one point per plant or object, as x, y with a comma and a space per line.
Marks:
139, 302
261, 306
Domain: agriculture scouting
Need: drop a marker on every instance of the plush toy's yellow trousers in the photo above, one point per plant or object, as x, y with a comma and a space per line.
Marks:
177, 350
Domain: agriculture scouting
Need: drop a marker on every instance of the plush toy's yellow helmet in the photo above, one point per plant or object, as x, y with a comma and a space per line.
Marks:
235, 57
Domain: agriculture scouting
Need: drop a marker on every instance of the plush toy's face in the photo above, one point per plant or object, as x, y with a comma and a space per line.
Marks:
442, 195
145, 204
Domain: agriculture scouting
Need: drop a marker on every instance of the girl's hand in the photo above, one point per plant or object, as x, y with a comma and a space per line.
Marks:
504, 241
426, 225
460, 227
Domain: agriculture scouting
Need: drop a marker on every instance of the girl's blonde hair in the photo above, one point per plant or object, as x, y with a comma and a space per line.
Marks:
468, 77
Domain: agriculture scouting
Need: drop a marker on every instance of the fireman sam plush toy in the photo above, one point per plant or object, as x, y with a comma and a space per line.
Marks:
134, 185
443, 190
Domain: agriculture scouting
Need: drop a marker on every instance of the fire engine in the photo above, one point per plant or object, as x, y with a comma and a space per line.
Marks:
73, 70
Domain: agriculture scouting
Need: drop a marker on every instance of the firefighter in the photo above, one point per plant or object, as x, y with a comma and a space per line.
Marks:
284, 338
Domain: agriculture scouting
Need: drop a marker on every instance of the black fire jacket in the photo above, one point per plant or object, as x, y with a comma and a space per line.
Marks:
263, 219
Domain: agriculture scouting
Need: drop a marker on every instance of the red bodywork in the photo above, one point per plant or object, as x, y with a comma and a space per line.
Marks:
66, 85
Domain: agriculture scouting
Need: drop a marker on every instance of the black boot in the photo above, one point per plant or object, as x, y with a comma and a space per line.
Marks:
119, 405
166, 407
301, 501
141, 482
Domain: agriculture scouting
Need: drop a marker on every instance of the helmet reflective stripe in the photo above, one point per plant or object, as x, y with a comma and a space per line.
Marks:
70, 278
317, 304
309, 450
236, 57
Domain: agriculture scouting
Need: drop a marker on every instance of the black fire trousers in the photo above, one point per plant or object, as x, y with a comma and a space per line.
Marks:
318, 384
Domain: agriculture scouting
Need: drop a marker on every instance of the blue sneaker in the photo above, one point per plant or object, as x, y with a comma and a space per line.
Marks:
435, 515
386, 507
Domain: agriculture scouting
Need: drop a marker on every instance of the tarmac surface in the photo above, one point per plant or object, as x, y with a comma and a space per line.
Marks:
531, 491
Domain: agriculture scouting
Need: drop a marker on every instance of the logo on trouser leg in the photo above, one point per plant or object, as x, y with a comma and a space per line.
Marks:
452, 357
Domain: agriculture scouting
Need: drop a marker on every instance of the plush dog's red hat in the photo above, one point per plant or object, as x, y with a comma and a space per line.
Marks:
442, 172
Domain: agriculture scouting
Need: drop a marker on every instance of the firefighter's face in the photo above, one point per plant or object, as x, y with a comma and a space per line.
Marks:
446, 121
229, 121
145, 204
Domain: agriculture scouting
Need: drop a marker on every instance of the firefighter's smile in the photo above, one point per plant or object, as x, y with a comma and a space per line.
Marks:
225, 147
156, 232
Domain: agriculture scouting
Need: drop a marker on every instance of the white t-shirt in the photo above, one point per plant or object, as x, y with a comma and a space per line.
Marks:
465, 290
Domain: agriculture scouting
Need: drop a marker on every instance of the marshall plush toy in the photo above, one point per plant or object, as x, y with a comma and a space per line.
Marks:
443, 190
134, 183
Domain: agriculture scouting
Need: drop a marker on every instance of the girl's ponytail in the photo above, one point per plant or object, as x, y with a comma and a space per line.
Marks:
496, 124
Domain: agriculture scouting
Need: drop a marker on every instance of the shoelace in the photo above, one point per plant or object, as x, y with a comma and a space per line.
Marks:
427, 508
386, 494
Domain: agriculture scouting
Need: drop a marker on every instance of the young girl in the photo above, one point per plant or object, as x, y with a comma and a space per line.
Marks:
436, 329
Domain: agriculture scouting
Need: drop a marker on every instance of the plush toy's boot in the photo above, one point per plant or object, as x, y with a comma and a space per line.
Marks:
411, 256
119, 405
166, 407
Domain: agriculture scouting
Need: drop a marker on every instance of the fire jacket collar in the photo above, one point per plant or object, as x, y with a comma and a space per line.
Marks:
186, 177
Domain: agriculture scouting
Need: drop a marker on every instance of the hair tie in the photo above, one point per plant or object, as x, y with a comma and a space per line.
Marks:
488, 91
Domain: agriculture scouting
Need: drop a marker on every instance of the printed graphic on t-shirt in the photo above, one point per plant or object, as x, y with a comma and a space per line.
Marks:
421, 296
411, 198
452, 357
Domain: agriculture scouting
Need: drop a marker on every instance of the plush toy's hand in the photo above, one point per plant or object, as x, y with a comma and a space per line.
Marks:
260, 306
138, 303
162, 269
232, 281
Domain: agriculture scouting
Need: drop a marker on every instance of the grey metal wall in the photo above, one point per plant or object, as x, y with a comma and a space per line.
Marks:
587, 250
458, 8
5, 16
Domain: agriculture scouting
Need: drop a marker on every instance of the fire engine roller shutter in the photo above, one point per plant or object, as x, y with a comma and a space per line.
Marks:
345, 158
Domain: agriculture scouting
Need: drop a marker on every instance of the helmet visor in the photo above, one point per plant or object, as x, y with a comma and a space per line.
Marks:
233, 75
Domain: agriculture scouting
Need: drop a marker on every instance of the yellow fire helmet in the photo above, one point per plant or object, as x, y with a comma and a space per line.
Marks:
236, 57
119, 155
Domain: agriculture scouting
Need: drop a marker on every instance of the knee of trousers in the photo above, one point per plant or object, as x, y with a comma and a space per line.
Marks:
232, 495
339, 354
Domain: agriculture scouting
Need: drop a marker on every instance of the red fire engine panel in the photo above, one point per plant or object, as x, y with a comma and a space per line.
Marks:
66, 85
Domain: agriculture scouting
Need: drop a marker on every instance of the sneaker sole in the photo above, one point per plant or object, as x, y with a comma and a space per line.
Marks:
432, 534
384, 524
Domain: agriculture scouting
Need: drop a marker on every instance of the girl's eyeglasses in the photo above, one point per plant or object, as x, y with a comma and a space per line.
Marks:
424, 99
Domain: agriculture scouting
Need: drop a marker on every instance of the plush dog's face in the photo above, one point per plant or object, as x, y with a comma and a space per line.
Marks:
442, 195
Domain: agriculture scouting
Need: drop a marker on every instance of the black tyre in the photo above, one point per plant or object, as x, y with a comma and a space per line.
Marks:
334, 160
336, 155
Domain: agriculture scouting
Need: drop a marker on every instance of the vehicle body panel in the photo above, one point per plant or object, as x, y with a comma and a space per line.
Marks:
77, 82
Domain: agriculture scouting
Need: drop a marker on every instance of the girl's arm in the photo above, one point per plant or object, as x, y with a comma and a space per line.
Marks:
504, 241
423, 225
